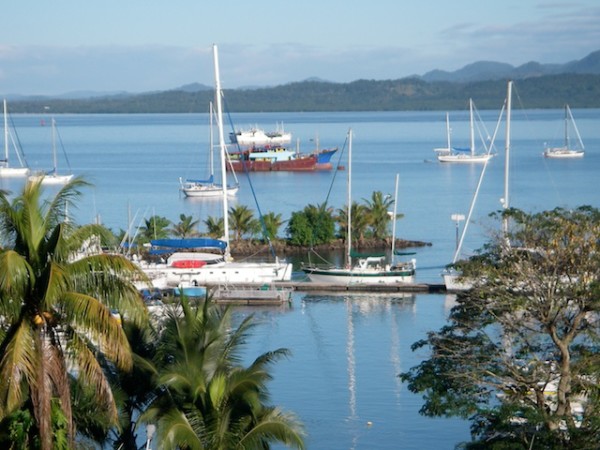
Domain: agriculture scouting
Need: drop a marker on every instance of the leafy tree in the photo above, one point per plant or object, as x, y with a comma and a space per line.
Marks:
156, 227
272, 223
520, 355
313, 225
210, 401
242, 221
215, 227
186, 227
299, 229
56, 313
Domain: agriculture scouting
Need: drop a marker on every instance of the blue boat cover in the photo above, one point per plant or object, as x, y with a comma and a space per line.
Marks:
190, 243
461, 149
209, 181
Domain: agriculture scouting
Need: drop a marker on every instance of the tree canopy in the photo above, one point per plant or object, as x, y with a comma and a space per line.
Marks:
520, 354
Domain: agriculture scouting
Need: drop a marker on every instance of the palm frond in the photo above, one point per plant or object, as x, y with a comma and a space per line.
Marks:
90, 318
175, 432
90, 373
16, 277
275, 425
18, 364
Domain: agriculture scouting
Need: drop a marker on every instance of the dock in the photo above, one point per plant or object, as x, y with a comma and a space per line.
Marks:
309, 286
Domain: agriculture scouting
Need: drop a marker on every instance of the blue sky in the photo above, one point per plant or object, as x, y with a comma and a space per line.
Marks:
59, 46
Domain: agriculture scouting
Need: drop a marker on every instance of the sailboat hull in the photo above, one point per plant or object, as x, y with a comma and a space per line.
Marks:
198, 190
559, 153
14, 171
454, 158
360, 276
51, 179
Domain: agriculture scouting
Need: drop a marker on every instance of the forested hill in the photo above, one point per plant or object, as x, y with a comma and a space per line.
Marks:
410, 94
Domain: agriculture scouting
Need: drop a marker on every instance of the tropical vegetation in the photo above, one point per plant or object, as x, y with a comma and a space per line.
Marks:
82, 365
520, 355
406, 94
207, 398
57, 320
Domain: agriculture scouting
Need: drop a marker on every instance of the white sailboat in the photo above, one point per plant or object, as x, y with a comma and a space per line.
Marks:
453, 279
5, 169
469, 155
567, 150
195, 269
448, 149
207, 188
52, 177
368, 269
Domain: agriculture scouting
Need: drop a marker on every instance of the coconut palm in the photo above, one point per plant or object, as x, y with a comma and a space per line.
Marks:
209, 400
56, 311
272, 223
379, 217
242, 221
360, 221
215, 227
156, 227
186, 227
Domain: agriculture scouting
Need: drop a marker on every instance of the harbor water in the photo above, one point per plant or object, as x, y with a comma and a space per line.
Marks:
346, 350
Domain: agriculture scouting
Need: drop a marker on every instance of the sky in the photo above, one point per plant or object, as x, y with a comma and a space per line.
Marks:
64, 46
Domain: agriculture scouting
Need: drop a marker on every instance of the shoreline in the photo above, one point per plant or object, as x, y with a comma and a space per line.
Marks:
282, 247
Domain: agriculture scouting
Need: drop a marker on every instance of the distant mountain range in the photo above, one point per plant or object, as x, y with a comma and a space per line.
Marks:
541, 85
490, 70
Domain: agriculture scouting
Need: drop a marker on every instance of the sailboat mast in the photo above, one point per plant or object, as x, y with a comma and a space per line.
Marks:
349, 213
211, 142
448, 130
395, 214
222, 149
567, 127
575, 128
54, 144
472, 128
506, 200
5, 133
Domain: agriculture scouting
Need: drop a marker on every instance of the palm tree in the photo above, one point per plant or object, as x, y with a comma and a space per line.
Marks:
209, 400
379, 217
272, 223
215, 227
186, 227
360, 221
156, 227
56, 311
242, 221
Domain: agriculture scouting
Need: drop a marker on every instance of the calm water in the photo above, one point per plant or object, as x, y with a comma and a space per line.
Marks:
346, 351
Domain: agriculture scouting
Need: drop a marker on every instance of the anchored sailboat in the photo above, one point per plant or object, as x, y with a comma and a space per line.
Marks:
368, 269
185, 268
453, 279
5, 169
469, 155
52, 176
208, 187
567, 150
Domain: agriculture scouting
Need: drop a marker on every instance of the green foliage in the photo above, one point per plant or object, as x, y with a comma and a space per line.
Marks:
406, 94
242, 221
185, 228
156, 227
521, 349
208, 400
313, 225
56, 312
215, 227
272, 223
